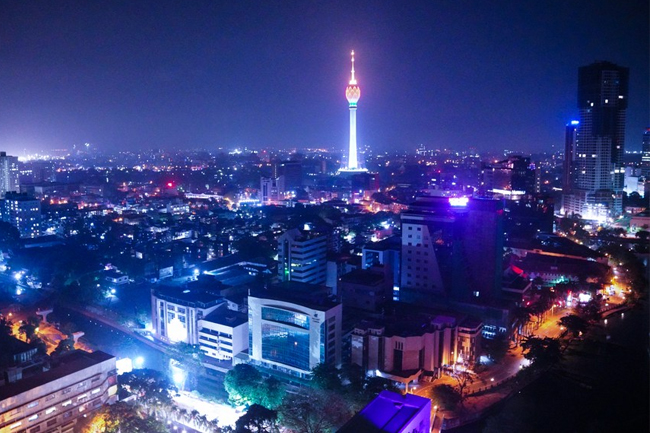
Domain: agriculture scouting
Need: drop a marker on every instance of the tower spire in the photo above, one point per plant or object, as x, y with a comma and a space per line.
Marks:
352, 79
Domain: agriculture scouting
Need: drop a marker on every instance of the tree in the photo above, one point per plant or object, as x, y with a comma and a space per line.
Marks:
589, 311
257, 419
463, 380
122, 417
66, 345
241, 383
6, 326
326, 377
151, 387
270, 394
573, 324
643, 235
29, 326
9, 237
445, 396
189, 358
542, 352
313, 411
521, 316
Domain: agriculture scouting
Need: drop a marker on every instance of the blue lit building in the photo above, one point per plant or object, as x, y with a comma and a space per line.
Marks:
23, 212
293, 327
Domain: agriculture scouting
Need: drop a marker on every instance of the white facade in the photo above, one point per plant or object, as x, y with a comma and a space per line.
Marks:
175, 318
293, 338
223, 334
8, 174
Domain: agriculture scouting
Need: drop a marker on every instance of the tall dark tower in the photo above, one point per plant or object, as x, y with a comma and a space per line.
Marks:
570, 139
602, 103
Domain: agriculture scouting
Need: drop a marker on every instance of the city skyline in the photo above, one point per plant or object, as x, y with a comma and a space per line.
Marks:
135, 76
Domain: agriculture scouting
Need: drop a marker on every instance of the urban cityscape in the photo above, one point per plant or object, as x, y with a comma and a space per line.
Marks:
276, 261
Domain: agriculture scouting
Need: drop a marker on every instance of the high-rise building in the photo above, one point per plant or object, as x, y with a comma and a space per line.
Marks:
515, 175
9, 174
598, 159
294, 327
23, 212
645, 149
570, 139
302, 256
353, 93
452, 248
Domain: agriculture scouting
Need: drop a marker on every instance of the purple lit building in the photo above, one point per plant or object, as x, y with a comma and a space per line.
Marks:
390, 412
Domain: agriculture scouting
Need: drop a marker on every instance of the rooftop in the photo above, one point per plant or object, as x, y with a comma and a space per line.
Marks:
190, 297
312, 296
226, 317
61, 366
389, 412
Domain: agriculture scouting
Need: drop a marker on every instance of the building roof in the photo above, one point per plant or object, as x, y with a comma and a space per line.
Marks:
189, 297
562, 265
311, 296
549, 243
61, 366
363, 276
391, 243
226, 317
387, 413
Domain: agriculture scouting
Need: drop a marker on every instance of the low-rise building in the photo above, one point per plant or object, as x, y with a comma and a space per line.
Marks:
294, 327
176, 311
223, 333
404, 346
390, 412
52, 401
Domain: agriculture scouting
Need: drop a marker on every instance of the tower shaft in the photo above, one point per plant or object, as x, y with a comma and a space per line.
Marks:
352, 157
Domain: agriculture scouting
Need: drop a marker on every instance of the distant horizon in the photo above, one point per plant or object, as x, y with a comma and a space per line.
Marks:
159, 74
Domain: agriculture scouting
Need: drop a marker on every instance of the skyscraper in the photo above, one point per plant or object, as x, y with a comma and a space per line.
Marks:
452, 248
8, 174
570, 138
598, 159
353, 93
645, 149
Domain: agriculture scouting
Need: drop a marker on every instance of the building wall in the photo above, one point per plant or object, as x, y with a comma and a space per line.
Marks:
221, 341
174, 322
296, 347
302, 257
57, 405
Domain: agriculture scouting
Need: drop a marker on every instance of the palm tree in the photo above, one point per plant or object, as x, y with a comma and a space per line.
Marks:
521, 316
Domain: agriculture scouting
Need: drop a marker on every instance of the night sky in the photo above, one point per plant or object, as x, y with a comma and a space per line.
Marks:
206, 74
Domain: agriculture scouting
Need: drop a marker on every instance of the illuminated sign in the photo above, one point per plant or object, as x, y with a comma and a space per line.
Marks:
458, 201
575, 122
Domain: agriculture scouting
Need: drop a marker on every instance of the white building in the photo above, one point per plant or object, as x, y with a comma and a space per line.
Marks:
293, 328
272, 190
52, 401
176, 312
302, 257
223, 333
8, 174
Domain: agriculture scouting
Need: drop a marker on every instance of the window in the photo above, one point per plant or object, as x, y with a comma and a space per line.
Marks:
95, 391
66, 391
33, 404
33, 417
51, 422
50, 410
66, 403
50, 397
35, 429
82, 396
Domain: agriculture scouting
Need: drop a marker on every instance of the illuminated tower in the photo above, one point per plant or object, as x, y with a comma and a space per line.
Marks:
352, 93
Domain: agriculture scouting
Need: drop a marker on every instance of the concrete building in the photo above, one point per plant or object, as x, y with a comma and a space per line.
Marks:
294, 327
177, 311
366, 289
223, 333
272, 190
403, 347
568, 168
23, 212
384, 253
598, 159
9, 174
52, 401
302, 257
452, 248
390, 412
